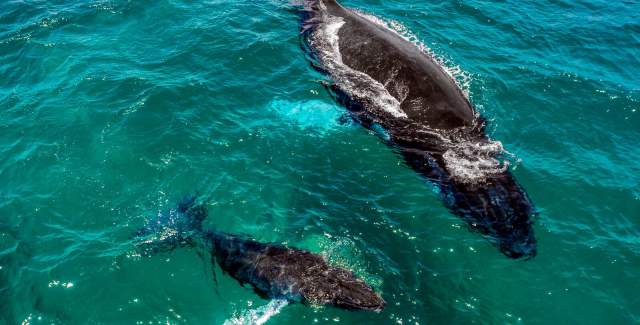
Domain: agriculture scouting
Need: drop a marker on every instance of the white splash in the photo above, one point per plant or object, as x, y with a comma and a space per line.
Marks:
308, 115
259, 315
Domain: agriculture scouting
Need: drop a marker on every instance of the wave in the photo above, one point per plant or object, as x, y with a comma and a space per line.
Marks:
259, 315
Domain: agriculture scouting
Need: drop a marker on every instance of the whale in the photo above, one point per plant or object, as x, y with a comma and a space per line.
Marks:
274, 271
392, 86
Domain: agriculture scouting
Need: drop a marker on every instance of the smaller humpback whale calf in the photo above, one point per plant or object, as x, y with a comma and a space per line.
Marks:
391, 85
274, 271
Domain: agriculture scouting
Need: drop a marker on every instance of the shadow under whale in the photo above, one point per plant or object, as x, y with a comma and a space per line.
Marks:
389, 84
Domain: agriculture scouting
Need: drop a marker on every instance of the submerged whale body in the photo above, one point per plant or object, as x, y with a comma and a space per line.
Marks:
388, 82
274, 271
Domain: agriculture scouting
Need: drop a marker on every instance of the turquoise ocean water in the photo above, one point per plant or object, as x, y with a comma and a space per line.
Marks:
110, 111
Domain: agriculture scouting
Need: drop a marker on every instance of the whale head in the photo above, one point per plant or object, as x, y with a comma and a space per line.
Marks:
341, 288
357, 295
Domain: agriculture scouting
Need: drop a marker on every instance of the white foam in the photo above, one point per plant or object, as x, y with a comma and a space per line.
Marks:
259, 315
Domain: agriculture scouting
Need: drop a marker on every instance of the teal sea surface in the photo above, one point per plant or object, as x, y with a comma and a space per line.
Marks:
111, 111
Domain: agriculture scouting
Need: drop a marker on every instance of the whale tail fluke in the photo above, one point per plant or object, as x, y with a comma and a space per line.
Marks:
178, 227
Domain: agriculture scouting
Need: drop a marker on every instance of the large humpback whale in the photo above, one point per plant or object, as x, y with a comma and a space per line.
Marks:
273, 270
388, 83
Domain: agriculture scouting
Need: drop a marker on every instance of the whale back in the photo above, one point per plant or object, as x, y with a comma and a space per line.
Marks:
426, 94
276, 271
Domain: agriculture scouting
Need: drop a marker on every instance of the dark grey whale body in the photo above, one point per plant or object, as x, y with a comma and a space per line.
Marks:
273, 270
281, 272
388, 82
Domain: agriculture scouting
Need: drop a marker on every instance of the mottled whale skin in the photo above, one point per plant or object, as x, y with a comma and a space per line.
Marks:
277, 271
273, 270
388, 82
